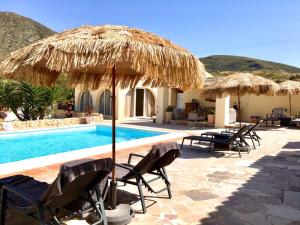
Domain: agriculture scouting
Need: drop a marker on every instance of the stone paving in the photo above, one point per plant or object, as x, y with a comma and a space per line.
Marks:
261, 188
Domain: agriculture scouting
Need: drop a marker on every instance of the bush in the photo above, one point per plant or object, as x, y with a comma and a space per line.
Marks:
29, 102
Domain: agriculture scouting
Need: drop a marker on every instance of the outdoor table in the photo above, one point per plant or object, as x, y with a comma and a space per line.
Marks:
296, 121
285, 121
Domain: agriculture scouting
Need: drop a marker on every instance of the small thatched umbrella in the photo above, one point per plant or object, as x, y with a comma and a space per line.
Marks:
97, 55
239, 84
289, 88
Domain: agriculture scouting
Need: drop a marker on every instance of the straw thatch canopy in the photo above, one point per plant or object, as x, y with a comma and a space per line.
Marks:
239, 84
87, 54
288, 87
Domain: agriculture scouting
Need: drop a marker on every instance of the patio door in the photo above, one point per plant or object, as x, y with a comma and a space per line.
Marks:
105, 103
86, 101
139, 105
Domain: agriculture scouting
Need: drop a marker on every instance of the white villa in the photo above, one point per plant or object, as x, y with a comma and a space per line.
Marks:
144, 101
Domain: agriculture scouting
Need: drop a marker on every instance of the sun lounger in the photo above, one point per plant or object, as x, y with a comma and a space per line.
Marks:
69, 192
221, 142
248, 134
153, 163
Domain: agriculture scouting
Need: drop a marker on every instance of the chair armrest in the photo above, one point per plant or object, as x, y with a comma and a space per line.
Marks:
124, 167
227, 132
134, 154
231, 130
21, 194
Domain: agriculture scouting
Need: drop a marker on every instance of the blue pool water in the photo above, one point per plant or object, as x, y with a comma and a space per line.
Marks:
17, 146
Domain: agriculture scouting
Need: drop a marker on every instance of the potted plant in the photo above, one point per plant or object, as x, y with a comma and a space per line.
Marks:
193, 114
211, 115
169, 113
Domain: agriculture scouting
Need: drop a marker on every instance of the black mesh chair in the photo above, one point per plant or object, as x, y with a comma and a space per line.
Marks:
153, 163
72, 191
222, 142
276, 115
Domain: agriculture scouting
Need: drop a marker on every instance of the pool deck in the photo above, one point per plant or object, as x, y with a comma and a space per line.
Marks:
261, 188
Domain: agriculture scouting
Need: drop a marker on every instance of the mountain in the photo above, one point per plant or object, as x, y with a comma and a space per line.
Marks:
220, 65
18, 31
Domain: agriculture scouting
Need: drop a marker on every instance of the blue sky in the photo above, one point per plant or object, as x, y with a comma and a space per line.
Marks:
265, 29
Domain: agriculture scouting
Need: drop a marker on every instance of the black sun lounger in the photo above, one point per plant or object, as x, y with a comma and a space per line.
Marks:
69, 192
222, 142
249, 134
153, 163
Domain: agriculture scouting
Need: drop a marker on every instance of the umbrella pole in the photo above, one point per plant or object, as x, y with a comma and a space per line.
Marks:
113, 181
121, 214
239, 109
290, 100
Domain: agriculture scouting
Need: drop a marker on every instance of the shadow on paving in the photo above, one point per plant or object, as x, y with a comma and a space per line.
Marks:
292, 145
269, 197
198, 151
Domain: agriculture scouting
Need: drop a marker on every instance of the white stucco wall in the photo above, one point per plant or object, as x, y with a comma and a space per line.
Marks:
222, 112
120, 99
195, 94
252, 105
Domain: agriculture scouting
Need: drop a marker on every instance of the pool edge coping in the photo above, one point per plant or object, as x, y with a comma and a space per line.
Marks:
59, 158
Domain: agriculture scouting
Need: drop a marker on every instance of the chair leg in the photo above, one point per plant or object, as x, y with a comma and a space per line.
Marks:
252, 139
210, 147
191, 143
54, 220
167, 182
100, 212
101, 204
41, 214
3, 206
182, 143
141, 195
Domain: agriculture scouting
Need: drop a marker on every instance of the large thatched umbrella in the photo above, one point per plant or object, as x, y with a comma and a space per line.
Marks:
239, 84
97, 55
289, 88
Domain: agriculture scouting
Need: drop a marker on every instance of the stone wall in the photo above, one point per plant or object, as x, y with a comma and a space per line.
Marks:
22, 125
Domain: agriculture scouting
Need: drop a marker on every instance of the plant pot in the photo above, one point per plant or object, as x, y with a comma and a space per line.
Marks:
168, 116
193, 116
211, 118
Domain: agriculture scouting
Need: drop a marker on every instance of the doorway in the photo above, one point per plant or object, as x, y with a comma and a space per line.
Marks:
139, 107
105, 103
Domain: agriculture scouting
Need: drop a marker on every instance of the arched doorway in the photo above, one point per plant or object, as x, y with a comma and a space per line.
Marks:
139, 102
86, 101
105, 103
149, 104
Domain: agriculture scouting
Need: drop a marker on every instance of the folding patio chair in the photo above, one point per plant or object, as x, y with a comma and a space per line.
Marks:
153, 163
70, 191
218, 141
250, 133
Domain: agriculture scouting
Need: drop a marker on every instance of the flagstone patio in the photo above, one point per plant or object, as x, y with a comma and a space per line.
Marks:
261, 188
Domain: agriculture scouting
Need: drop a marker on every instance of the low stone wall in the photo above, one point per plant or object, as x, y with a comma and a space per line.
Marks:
22, 125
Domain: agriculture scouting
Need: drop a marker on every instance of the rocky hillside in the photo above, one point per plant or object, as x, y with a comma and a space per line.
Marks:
18, 31
226, 64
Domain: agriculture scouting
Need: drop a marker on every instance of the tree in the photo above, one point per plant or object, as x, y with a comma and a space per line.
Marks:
30, 102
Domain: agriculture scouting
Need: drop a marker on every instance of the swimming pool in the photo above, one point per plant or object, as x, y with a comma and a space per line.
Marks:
15, 146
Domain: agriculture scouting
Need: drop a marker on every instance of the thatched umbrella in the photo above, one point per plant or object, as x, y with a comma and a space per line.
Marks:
289, 88
97, 55
239, 84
